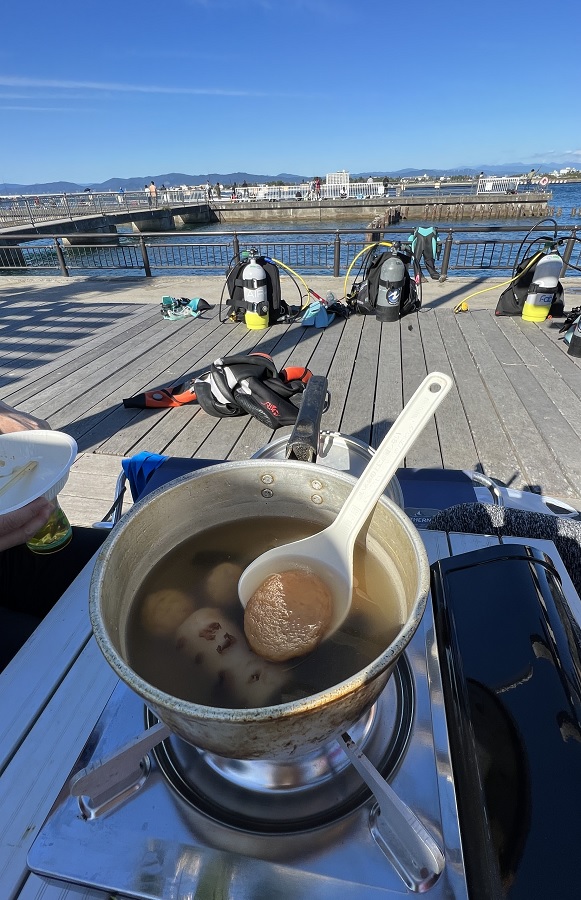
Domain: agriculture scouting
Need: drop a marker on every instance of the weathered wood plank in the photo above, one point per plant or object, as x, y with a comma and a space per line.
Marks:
111, 367
492, 362
495, 452
358, 409
564, 393
456, 440
549, 465
550, 328
62, 364
339, 374
105, 415
426, 452
545, 340
389, 389
135, 425
78, 377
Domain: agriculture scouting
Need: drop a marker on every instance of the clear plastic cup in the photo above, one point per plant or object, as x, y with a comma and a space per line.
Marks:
54, 534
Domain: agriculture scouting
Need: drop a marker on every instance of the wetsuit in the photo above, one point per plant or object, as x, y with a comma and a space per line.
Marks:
424, 244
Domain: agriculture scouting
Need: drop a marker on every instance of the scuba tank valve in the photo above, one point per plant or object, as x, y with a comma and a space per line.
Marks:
255, 294
541, 292
391, 281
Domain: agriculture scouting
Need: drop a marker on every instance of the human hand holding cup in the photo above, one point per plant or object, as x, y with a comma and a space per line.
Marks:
29, 507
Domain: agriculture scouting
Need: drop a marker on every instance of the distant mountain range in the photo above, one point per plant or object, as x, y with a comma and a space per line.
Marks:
174, 179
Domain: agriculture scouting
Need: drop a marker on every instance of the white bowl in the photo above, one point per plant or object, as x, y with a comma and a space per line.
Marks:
55, 453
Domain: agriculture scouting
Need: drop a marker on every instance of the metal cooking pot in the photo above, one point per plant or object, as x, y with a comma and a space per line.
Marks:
236, 491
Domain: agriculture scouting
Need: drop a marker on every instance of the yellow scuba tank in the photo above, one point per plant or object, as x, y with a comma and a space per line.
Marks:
542, 291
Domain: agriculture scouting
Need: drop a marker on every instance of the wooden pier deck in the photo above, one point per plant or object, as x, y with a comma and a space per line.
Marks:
70, 352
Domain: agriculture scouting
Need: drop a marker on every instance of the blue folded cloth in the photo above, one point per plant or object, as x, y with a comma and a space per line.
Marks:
139, 469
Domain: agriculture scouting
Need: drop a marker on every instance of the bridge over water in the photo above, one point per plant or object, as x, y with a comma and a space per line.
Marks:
102, 212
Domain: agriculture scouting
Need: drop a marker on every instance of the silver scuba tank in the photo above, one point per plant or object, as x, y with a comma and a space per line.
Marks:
391, 282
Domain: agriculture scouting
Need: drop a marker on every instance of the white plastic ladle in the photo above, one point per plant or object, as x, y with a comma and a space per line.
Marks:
329, 554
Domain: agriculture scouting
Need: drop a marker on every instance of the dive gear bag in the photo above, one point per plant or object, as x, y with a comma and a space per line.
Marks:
235, 284
363, 297
512, 299
235, 386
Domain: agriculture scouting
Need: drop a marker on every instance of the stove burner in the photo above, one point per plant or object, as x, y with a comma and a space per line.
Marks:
277, 797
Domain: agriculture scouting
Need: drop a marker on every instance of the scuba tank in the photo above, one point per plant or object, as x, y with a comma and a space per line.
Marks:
543, 289
391, 281
255, 294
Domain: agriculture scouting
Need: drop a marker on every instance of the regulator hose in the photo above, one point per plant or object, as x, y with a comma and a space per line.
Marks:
233, 260
293, 275
494, 287
534, 259
357, 255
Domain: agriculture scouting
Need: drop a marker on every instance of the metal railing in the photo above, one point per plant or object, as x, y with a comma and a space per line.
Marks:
468, 250
497, 185
33, 210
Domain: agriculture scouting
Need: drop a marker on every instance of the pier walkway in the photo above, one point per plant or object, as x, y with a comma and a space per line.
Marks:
72, 348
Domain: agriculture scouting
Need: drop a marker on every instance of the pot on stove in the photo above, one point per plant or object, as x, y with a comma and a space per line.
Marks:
236, 491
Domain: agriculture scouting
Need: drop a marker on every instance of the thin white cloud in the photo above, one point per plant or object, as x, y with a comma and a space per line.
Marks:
562, 155
65, 109
10, 95
312, 7
19, 82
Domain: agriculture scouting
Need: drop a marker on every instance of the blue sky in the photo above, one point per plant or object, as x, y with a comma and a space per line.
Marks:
91, 91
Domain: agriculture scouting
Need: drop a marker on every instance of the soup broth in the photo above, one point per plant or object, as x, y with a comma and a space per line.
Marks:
201, 575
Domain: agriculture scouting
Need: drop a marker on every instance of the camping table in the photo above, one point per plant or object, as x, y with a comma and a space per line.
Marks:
52, 694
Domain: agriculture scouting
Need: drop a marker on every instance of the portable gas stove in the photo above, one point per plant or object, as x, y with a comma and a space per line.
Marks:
478, 733
186, 819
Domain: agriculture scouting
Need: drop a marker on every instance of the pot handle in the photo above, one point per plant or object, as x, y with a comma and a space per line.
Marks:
408, 845
303, 443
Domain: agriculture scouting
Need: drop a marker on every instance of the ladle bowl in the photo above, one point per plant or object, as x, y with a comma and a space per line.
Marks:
329, 553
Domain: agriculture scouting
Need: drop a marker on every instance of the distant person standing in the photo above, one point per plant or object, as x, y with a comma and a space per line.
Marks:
153, 194
317, 188
386, 186
147, 194
120, 195
218, 191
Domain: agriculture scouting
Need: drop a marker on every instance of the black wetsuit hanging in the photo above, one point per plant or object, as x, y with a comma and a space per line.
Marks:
424, 243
